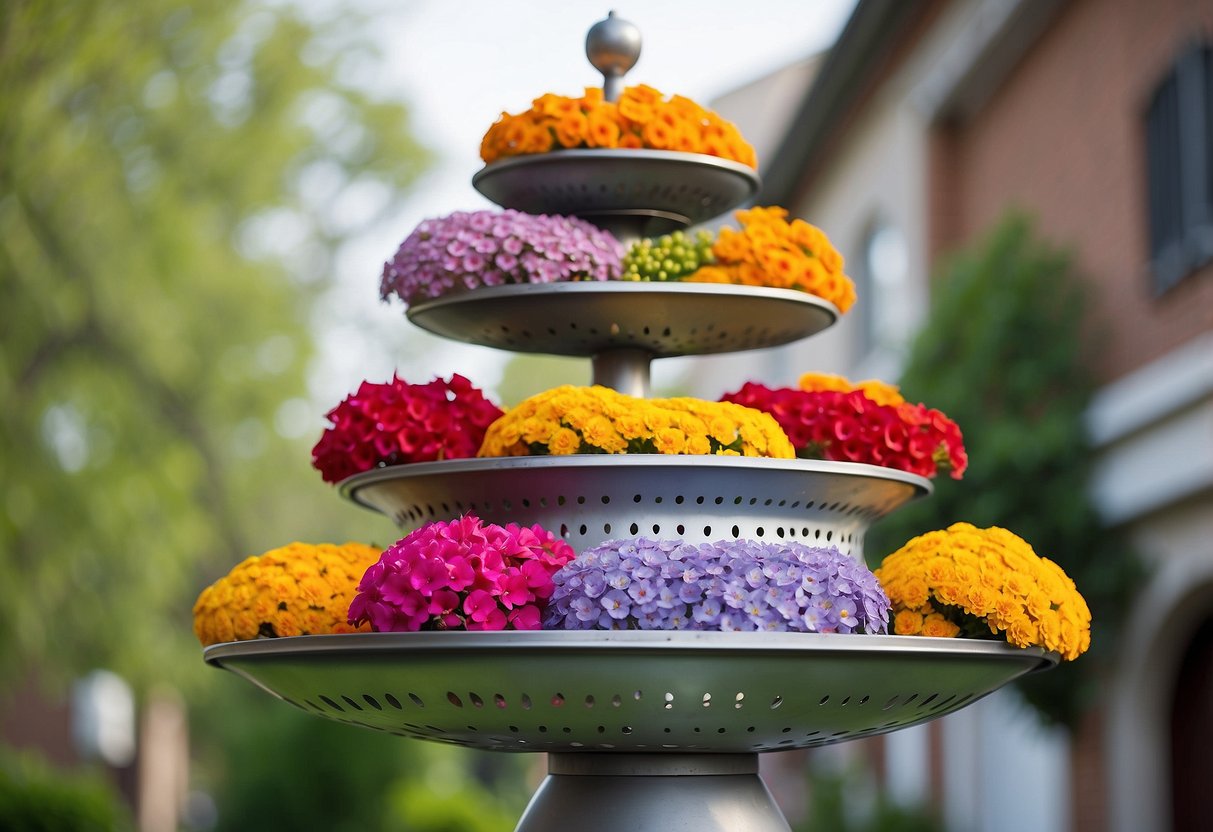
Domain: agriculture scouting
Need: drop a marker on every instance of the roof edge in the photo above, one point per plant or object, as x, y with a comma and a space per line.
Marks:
845, 72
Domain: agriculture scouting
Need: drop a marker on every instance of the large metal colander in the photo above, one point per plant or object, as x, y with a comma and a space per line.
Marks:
637, 691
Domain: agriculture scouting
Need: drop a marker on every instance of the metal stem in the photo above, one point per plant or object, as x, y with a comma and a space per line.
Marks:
653, 793
625, 370
612, 87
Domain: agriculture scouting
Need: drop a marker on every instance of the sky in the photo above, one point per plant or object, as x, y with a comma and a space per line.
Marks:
458, 65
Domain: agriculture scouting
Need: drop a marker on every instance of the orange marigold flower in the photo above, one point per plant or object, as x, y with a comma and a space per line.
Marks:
551, 123
658, 135
572, 129
603, 129
592, 98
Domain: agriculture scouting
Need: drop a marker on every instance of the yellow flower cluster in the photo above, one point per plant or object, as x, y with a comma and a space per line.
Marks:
598, 420
880, 392
942, 581
770, 251
300, 589
642, 118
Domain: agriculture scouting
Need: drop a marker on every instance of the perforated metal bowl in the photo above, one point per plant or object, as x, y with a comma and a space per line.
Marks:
589, 499
628, 690
662, 319
663, 190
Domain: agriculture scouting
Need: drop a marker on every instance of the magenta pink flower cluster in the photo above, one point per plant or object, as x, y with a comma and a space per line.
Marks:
461, 574
466, 250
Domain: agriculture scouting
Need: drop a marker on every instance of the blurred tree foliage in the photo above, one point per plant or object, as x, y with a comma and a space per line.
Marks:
844, 798
1002, 353
36, 798
277, 768
174, 181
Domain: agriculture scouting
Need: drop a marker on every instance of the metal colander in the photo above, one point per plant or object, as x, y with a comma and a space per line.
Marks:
587, 499
640, 691
663, 190
661, 319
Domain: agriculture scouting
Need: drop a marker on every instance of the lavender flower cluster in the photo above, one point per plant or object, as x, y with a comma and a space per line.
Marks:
646, 584
492, 248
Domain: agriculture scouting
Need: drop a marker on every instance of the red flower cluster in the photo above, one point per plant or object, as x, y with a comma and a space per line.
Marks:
850, 427
397, 423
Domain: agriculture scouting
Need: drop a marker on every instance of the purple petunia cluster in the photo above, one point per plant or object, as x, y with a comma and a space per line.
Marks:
466, 250
646, 584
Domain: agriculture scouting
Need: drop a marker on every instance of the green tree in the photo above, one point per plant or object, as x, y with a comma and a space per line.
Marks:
36, 798
1002, 353
171, 184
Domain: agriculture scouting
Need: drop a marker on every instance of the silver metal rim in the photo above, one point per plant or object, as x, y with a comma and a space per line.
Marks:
668, 692
557, 642
684, 188
590, 499
591, 463
605, 315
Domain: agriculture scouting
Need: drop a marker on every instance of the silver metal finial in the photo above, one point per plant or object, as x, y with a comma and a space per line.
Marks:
613, 47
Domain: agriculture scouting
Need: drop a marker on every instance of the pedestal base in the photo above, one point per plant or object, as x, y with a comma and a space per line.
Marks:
653, 793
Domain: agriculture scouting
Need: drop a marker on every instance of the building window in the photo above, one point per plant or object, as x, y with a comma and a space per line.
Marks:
1179, 149
886, 307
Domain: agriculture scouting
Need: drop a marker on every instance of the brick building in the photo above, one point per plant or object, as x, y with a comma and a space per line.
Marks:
922, 126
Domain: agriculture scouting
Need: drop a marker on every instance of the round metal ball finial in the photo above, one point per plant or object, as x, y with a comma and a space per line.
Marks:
613, 47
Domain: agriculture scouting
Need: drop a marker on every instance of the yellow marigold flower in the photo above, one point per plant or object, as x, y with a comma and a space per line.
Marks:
722, 429
599, 432
824, 383
286, 624
655, 419
881, 392
260, 597
936, 626
564, 441
915, 592
878, 391
577, 417
907, 623
992, 576
606, 420
631, 426
669, 441
536, 430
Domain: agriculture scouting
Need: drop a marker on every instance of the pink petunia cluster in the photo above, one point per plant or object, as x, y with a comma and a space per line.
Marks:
398, 422
462, 574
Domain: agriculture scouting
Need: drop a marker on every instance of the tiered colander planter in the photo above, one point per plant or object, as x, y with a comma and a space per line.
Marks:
645, 730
